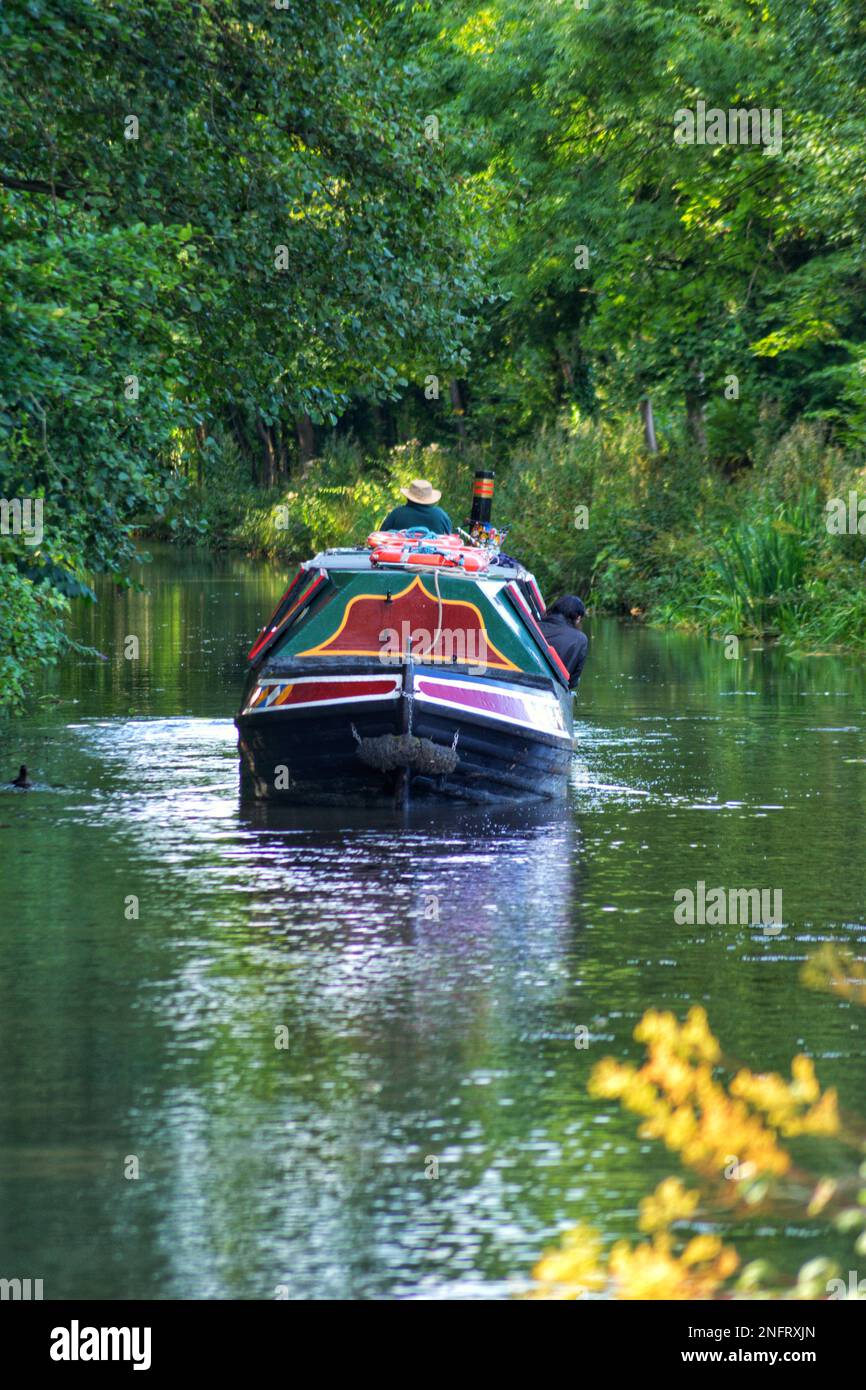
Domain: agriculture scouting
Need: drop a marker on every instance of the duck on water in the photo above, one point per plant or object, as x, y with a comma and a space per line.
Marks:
415, 665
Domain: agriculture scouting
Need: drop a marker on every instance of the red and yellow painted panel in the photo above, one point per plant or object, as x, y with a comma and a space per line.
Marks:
273, 693
441, 629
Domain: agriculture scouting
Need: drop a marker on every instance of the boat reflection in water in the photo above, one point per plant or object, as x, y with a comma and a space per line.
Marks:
418, 875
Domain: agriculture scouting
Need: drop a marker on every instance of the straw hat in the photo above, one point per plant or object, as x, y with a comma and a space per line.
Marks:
419, 490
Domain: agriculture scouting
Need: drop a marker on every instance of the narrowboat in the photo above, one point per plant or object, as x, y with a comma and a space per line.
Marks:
411, 666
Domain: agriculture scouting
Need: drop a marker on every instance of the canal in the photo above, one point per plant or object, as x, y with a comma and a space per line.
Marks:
251, 1053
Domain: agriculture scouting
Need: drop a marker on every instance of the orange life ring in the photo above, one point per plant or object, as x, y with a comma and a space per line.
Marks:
430, 551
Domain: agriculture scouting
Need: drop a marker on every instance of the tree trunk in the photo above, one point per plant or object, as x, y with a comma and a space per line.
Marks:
268, 475
695, 419
459, 412
240, 430
201, 439
567, 373
649, 426
282, 454
695, 404
306, 439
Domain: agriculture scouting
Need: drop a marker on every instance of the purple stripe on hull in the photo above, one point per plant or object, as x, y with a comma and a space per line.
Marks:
476, 698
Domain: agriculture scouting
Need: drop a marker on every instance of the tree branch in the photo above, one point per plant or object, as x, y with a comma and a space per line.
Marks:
34, 185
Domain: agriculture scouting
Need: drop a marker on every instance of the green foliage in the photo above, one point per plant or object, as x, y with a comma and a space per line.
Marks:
703, 261
770, 566
277, 237
30, 635
658, 538
344, 497
760, 569
326, 207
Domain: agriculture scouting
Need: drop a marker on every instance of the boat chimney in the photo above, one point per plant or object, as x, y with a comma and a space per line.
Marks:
482, 496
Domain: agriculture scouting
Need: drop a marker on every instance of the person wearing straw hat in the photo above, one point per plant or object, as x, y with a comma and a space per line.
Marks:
419, 509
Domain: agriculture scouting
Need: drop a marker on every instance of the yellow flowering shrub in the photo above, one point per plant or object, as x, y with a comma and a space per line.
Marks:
654, 1271
696, 1116
573, 1269
720, 1129
669, 1203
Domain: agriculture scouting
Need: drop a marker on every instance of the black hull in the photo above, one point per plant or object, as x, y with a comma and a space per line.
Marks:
318, 755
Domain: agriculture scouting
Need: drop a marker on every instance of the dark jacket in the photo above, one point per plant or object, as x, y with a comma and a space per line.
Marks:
569, 643
418, 514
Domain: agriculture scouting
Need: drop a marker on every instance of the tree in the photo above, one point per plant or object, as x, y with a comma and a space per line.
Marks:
213, 213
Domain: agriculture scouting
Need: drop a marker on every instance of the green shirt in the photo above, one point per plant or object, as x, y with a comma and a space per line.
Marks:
418, 514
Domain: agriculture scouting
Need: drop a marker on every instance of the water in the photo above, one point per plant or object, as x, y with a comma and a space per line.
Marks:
412, 1042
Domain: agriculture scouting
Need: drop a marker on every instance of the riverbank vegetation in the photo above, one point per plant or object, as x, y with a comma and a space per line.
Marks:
250, 252
655, 537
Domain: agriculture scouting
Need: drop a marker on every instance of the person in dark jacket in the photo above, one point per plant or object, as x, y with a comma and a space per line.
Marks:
419, 509
561, 628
